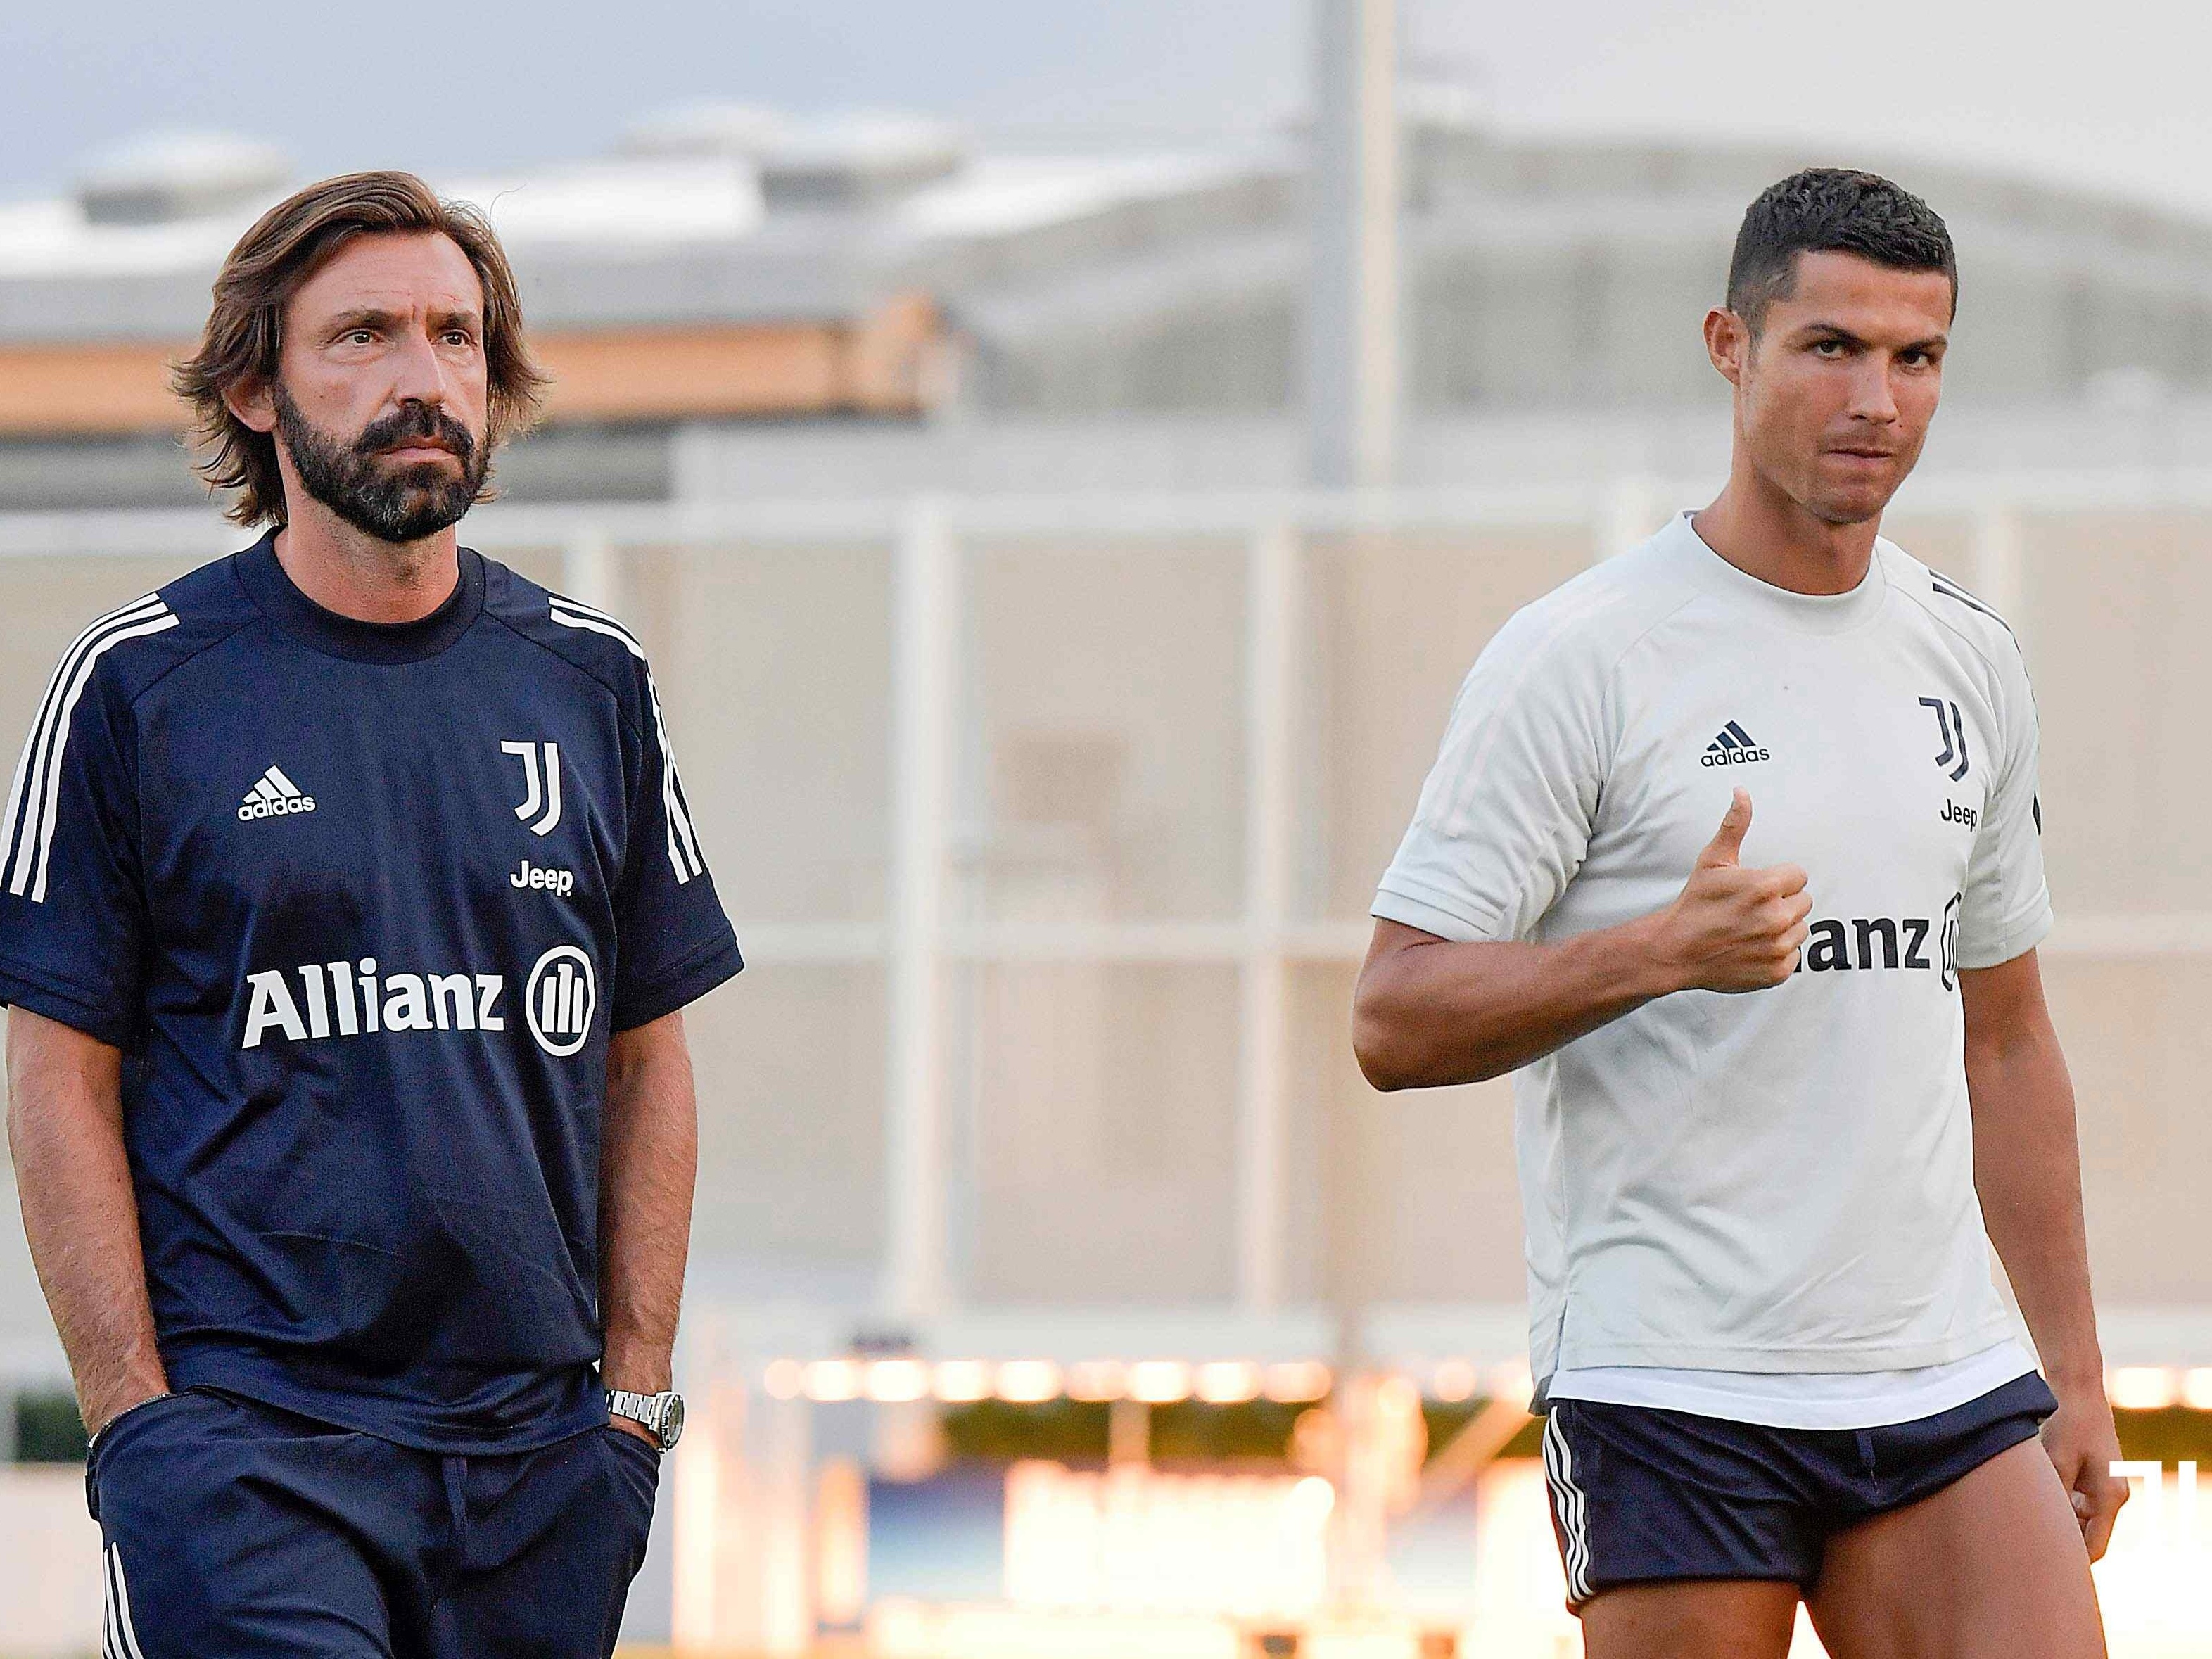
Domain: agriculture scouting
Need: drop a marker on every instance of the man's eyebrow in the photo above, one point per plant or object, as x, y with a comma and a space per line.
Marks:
379, 317
1837, 331
362, 316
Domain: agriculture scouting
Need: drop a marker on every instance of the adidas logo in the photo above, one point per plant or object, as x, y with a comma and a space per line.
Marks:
273, 796
1733, 747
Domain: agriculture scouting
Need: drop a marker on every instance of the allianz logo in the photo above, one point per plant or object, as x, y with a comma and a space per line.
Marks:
1864, 943
315, 1001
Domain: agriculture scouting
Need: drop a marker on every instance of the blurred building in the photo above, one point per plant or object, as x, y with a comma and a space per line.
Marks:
739, 306
1047, 738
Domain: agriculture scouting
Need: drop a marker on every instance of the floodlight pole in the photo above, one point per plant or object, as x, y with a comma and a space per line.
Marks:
1353, 350
1353, 402
924, 646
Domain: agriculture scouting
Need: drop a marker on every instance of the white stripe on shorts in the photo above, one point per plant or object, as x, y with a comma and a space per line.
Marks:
1573, 1509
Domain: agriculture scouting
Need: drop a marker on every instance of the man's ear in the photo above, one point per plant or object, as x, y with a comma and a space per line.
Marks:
1728, 343
253, 402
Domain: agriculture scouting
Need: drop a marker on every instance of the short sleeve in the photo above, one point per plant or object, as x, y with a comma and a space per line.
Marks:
673, 943
2006, 908
72, 909
1506, 815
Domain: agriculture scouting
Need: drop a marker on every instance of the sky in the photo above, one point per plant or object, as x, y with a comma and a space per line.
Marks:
2109, 96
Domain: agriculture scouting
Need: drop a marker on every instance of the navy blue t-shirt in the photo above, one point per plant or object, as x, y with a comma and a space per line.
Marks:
361, 903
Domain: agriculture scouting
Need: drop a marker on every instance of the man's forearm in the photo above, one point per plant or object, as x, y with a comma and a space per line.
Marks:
1442, 1013
80, 1214
2027, 1172
1427, 1012
648, 1162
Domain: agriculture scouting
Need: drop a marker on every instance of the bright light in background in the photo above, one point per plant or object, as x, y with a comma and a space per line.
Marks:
1135, 1540
894, 1382
961, 1382
1297, 1381
2148, 1583
1456, 1379
783, 1379
828, 1381
1512, 1382
2143, 1388
1167, 1563
1228, 1383
1027, 1382
1159, 1382
1098, 1380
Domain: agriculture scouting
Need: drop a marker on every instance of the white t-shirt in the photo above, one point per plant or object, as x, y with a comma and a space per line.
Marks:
1802, 1400
1780, 1182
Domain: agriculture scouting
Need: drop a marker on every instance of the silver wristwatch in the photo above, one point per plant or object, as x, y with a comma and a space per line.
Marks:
660, 1414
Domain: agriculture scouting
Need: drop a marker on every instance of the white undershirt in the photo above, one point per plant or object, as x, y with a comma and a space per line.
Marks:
1802, 1400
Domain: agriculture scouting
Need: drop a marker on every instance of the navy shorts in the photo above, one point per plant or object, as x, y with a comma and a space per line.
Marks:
232, 1527
1639, 1494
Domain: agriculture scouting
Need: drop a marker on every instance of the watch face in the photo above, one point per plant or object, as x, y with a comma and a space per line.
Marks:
672, 1420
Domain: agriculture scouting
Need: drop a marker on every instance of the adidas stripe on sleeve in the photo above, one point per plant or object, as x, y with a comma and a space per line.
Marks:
684, 858
666, 912
35, 796
71, 908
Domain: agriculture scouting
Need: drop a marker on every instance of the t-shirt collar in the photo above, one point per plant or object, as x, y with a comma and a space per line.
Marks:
273, 590
1819, 613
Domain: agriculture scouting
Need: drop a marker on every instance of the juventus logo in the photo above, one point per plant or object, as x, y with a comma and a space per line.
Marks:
1949, 724
540, 791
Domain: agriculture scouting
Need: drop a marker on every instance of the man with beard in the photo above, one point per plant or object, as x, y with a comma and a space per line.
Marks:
348, 899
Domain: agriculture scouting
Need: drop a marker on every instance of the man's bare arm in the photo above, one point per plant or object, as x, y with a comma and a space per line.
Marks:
2027, 1173
1428, 1012
648, 1162
66, 1132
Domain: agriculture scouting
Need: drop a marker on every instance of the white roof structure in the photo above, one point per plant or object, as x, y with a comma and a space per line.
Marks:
1133, 320
709, 212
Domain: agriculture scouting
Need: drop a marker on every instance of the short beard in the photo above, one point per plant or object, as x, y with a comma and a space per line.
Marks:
359, 482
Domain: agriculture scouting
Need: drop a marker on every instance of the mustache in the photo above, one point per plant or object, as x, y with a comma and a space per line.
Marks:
418, 422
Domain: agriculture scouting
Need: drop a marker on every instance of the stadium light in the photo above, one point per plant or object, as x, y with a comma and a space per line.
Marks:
895, 1381
2143, 1388
1098, 1380
828, 1381
784, 1379
1455, 1379
1027, 1382
1159, 1382
1512, 1382
2196, 1388
962, 1382
1227, 1381
1297, 1383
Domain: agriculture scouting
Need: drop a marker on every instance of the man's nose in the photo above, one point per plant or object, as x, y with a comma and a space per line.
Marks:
1873, 399
421, 376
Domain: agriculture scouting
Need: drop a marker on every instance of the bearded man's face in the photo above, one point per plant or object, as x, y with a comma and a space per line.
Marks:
381, 398
402, 476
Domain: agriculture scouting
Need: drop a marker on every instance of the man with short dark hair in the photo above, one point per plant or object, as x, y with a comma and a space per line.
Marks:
1764, 1111
349, 900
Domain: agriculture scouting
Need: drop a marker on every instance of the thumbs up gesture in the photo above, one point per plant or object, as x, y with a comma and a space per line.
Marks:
1734, 929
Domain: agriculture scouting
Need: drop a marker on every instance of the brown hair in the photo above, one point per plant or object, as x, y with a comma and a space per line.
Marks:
286, 246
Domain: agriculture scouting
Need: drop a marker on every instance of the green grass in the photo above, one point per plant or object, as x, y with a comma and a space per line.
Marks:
48, 1429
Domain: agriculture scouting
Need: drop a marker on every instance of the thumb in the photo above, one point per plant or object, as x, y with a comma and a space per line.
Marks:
1722, 851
